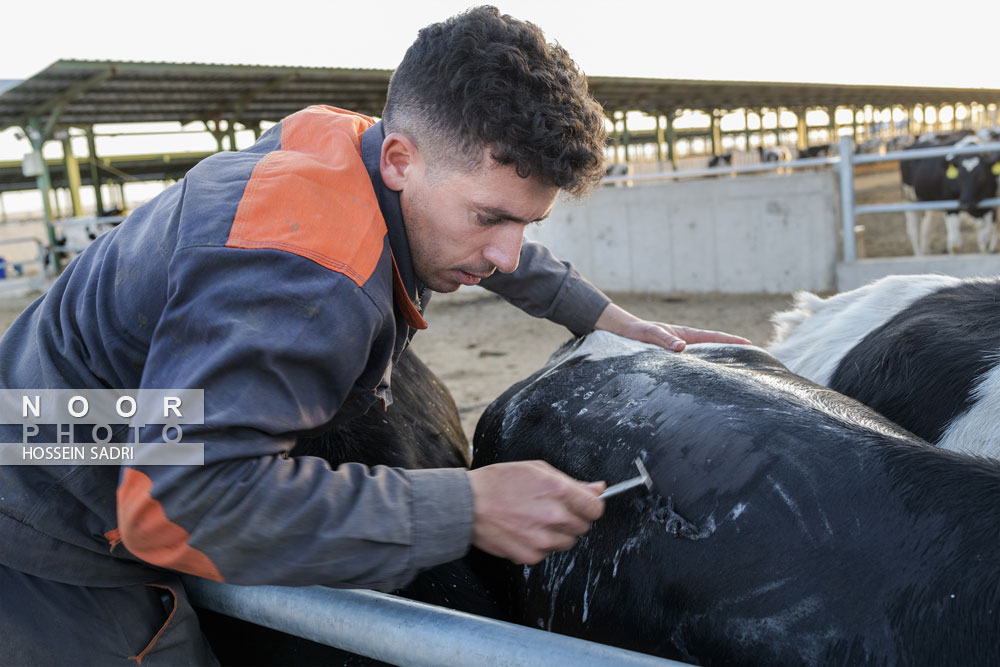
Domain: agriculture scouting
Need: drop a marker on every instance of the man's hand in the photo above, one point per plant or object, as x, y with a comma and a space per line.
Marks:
667, 336
525, 510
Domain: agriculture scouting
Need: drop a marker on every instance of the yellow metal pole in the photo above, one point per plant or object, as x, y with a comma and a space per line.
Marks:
72, 175
716, 132
659, 139
95, 176
801, 130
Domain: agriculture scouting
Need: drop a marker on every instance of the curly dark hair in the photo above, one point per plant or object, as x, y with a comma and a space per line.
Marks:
482, 79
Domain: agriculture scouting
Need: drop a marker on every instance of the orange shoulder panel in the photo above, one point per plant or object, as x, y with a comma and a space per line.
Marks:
314, 197
149, 534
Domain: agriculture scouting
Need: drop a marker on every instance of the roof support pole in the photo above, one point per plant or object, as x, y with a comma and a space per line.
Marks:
746, 128
854, 124
95, 176
831, 125
3, 209
625, 135
716, 132
801, 130
671, 140
37, 139
231, 133
659, 140
615, 139
72, 175
761, 114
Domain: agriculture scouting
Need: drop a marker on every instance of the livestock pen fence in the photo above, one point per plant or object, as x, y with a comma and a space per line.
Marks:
404, 632
849, 211
27, 262
696, 231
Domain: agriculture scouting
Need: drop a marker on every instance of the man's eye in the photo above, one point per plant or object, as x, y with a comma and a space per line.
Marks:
485, 220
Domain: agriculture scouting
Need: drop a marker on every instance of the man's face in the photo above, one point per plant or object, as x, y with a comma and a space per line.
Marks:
461, 226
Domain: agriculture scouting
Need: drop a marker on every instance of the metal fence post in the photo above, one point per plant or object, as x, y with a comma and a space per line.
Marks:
846, 170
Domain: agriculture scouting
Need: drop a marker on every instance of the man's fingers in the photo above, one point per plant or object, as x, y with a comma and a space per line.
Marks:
581, 501
660, 335
692, 335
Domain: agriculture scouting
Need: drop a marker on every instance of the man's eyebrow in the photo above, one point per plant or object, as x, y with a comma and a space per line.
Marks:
502, 214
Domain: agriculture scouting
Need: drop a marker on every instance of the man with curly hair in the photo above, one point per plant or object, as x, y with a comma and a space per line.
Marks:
285, 280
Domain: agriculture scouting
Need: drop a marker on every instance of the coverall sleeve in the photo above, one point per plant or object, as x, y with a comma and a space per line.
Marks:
544, 286
277, 353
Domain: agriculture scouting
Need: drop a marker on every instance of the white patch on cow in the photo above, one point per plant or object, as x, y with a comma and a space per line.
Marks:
970, 140
970, 163
813, 337
953, 230
737, 510
605, 345
986, 232
977, 430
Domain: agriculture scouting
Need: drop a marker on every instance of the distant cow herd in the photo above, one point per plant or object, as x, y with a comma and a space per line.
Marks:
834, 499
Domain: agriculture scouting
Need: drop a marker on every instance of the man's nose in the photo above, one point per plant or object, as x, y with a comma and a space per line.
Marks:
504, 249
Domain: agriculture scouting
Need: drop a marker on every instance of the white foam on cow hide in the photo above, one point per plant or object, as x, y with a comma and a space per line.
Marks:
813, 337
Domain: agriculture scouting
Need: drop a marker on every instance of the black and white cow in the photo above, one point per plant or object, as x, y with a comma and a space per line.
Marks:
822, 150
794, 526
774, 154
726, 159
967, 178
922, 350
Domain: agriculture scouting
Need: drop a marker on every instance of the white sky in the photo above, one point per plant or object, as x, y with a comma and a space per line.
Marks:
846, 41
900, 42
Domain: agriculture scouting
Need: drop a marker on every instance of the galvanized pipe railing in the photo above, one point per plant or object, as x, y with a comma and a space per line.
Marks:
849, 211
10, 283
403, 632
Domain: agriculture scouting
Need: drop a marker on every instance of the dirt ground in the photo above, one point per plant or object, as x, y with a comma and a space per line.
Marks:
480, 345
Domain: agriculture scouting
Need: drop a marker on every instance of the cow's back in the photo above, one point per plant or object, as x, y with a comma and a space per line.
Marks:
780, 536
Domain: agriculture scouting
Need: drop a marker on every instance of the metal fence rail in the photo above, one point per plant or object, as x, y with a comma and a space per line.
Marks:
36, 281
403, 632
844, 163
849, 211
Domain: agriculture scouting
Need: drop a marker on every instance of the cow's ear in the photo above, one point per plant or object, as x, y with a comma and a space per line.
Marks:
996, 168
951, 172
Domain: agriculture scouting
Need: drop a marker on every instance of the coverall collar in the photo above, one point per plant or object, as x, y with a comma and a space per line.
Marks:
388, 202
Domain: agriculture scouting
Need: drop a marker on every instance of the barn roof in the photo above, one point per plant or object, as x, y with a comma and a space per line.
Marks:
89, 92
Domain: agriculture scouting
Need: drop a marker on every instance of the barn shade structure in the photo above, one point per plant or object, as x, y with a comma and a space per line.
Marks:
82, 94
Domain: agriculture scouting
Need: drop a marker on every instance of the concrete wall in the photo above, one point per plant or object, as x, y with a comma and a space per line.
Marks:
864, 271
773, 233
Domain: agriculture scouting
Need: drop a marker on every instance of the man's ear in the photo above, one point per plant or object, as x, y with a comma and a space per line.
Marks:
399, 159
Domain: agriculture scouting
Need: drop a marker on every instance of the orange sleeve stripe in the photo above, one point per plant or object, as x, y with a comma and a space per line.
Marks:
113, 538
148, 534
402, 299
313, 197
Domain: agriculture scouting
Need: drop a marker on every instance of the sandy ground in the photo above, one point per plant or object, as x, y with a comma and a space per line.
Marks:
479, 345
